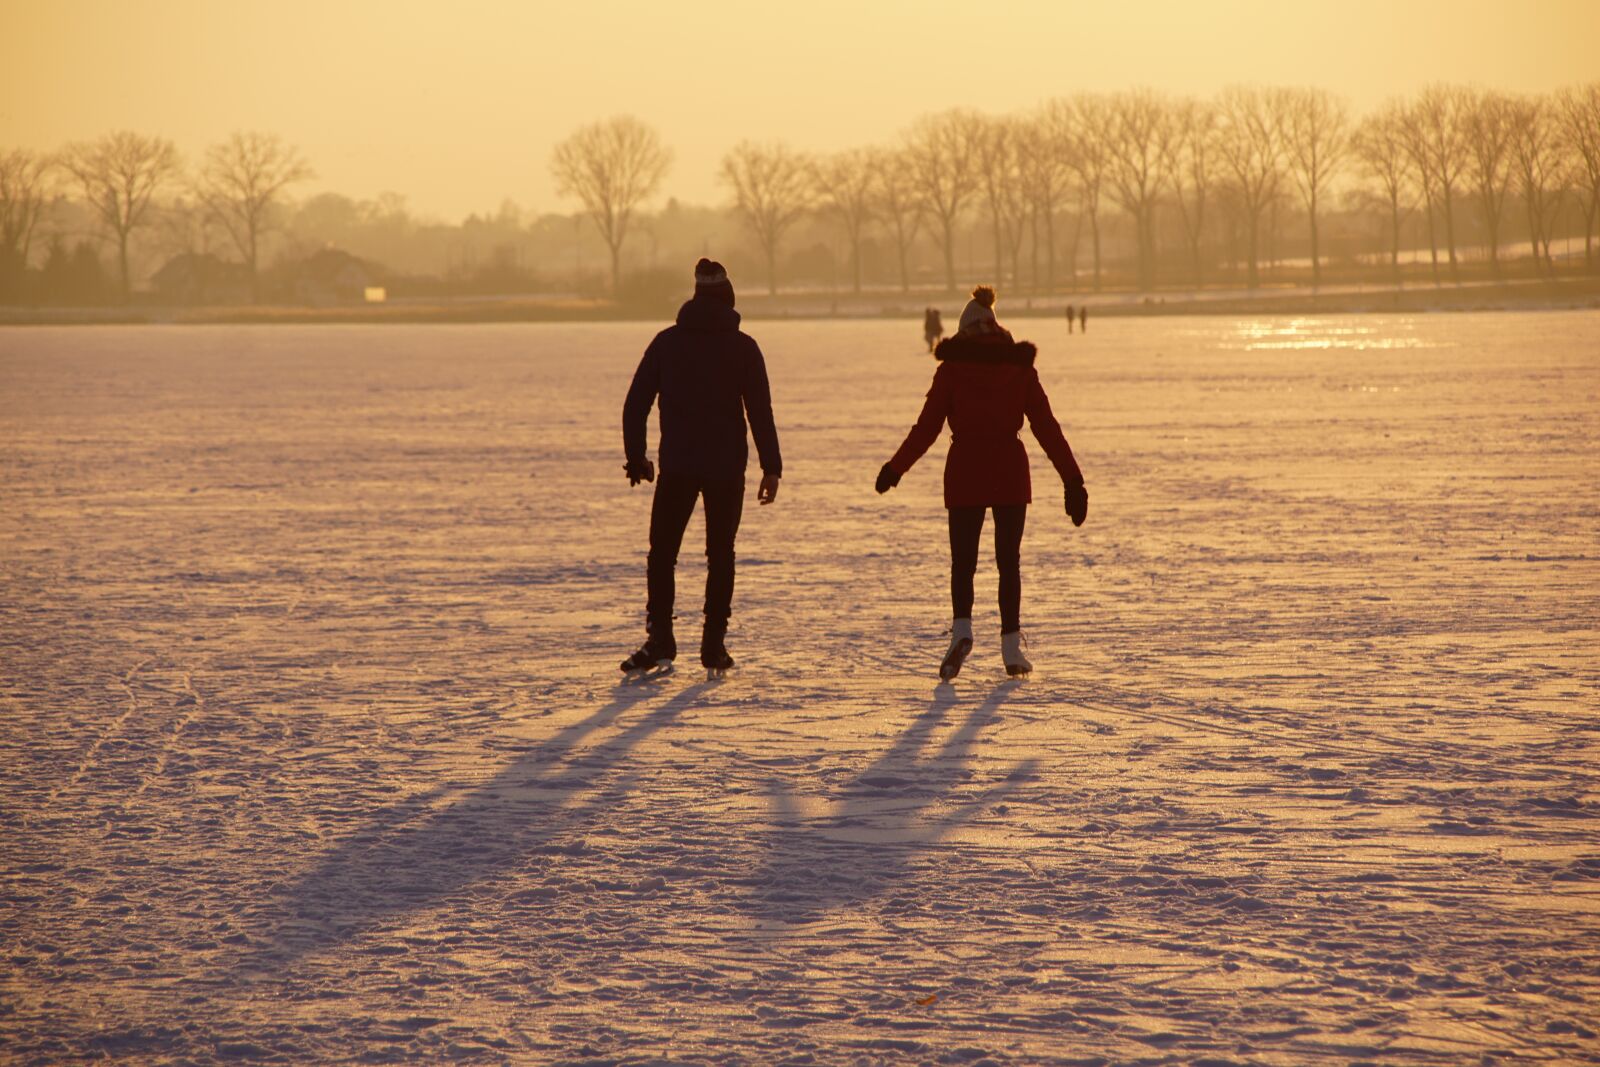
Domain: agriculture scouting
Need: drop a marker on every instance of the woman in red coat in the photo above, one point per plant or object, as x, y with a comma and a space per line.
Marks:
985, 385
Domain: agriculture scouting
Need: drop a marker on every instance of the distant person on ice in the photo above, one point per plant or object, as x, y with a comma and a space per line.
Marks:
1083, 319
984, 386
1071, 315
710, 377
932, 327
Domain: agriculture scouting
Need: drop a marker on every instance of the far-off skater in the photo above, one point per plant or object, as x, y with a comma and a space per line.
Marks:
710, 376
932, 327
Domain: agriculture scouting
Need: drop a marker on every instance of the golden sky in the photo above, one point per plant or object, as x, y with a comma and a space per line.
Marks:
456, 103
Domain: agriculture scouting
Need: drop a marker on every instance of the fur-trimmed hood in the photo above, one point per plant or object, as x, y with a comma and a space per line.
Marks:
991, 349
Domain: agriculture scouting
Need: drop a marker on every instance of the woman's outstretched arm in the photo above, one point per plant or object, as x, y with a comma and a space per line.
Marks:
929, 423
1047, 431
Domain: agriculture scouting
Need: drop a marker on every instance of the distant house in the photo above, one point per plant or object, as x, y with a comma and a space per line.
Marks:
332, 276
202, 278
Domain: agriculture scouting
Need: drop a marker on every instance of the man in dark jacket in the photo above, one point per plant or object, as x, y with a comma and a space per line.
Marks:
709, 376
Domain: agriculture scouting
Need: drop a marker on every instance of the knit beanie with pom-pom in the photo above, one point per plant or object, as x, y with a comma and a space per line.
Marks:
978, 315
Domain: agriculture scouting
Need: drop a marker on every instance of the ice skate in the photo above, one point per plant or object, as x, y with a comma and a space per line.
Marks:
960, 647
1017, 665
654, 656
714, 655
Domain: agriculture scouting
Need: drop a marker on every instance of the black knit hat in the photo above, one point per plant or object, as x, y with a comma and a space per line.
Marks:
711, 282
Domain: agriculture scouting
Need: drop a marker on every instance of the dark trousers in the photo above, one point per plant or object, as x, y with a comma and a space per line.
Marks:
669, 516
966, 525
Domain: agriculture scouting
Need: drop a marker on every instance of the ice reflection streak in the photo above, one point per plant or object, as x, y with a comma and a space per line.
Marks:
1309, 334
1323, 343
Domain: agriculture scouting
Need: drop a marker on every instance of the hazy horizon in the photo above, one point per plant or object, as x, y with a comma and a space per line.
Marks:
458, 111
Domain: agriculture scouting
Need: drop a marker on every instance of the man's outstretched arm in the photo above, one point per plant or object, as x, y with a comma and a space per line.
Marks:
758, 409
636, 416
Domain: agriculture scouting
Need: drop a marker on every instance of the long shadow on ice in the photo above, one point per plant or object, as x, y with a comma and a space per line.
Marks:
416, 854
881, 821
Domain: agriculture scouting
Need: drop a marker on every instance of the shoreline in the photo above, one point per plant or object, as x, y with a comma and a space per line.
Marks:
1573, 294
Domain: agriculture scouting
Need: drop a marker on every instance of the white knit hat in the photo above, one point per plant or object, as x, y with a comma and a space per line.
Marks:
978, 315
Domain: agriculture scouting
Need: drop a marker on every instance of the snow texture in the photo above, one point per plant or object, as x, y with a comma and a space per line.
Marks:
314, 747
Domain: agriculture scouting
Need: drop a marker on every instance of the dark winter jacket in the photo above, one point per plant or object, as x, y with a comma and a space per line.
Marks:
710, 376
984, 387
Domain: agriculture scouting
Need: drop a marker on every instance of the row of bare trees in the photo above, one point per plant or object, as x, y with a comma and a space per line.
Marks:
1144, 154
1041, 183
1491, 149
120, 175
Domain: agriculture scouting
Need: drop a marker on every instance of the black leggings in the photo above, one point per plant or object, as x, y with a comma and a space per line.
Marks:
966, 525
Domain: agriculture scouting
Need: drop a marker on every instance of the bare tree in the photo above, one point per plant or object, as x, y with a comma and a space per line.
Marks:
1579, 108
188, 226
1250, 144
25, 179
241, 182
1140, 147
996, 163
772, 188
1412, 136
1016, 206
1274, 230
119, 173
612, 167
1488, 117
1317, 139
942, 150
1379, 145
1438, 135
846, 185
1191, 161
898, 205
1046, 159
1536, 154
1089, 157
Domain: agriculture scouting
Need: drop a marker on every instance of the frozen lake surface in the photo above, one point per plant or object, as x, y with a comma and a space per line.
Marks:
313, 745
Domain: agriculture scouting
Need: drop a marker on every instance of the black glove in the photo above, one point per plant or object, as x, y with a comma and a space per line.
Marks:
642, 471
888, 478
1077, 500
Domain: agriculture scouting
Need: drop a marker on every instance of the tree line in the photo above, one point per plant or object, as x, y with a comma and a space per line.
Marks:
119, 176
1218, 163
1170, 189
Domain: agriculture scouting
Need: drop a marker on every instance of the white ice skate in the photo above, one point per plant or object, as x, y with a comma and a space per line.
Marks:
960, 647
1017, 664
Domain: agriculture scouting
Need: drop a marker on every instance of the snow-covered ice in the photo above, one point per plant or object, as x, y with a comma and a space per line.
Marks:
314, 747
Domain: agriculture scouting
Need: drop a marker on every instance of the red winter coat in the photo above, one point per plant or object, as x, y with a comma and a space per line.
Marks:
983, 387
